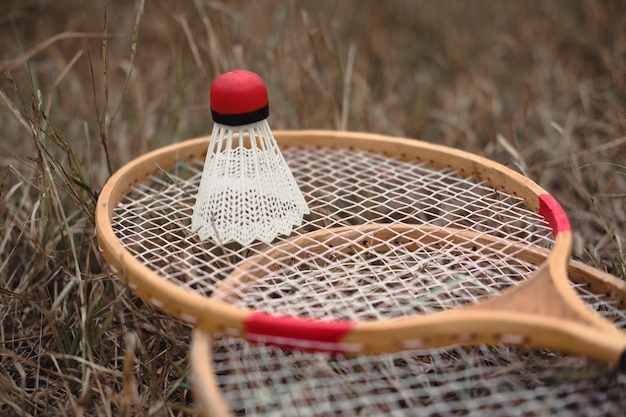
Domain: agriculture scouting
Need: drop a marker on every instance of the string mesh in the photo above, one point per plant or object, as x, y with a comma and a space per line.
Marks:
397, 274
257, 380
403, 273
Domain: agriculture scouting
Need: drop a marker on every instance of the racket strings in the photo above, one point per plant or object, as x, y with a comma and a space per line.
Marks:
608, 305
499, 381
342, 186
462, 381
382, 273
410, 191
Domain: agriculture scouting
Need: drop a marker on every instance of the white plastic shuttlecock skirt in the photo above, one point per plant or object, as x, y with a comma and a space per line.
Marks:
246, 192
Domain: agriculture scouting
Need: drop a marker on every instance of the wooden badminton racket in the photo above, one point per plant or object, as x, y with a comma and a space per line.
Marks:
231, 377
408, 245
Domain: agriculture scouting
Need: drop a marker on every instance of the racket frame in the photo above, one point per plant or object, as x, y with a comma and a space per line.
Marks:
543, 311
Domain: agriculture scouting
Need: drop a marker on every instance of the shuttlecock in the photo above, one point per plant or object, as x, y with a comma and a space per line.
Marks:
247, 191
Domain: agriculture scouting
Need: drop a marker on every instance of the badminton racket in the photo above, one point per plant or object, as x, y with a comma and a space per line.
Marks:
231, 377
408, 245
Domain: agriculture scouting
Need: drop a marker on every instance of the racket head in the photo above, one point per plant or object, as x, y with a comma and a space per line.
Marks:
231, 377
143, 211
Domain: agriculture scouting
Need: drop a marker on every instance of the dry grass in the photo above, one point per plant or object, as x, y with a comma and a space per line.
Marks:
87, 86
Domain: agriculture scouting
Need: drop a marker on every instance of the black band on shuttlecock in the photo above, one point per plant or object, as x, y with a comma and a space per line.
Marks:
241, 118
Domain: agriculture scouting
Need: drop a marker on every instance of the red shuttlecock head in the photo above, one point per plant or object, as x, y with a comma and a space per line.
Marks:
239, 97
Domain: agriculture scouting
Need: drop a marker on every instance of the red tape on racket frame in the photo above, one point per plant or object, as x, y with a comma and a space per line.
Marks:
301, 334
554, 214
